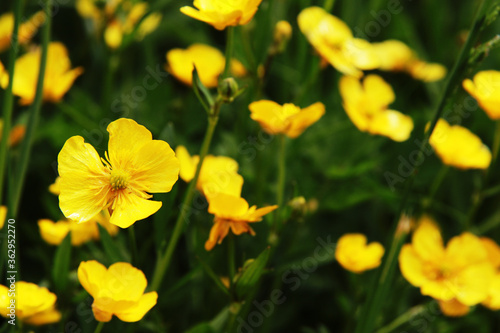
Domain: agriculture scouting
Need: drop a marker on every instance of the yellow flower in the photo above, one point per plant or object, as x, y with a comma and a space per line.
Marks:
135, 165
232, 212
458, 147
208, 60
26, 29
460, 271
282, 32
117, 290
354, 254
453, 308
485, 88
285, 119
222, 13
397, 56
334, 41
34, 305
55, 232
367, 106
218, 174
59, 76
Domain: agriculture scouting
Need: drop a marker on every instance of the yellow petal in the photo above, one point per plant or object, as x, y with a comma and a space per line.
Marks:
126, 138
129, 208
427, 241
305, 118
217, 234
361, 54
393, 55
472, 285
485, 88
3, 215
493, 251
53, 233
427, 72
453, 308
84, 180
355, 255
91, 274
219, 20
123, 282
113, 35
392, 124
187, 163
412, 266
378, 91
222, 182
269, 115
256, 215
140, 308
493, 299
45, 317
227, 206
465, 250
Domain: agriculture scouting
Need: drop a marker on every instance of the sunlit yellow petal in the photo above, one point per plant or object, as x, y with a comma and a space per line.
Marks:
140, 308
305, 118
129, 208
90, 275
392, 124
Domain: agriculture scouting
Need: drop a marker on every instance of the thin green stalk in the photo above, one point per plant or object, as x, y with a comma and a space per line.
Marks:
229, 51
133, 244
404, 318
8, 102
328, 5
436, 184
377, 295
496, 142
27, 142
280, 191
99, 327
164, 260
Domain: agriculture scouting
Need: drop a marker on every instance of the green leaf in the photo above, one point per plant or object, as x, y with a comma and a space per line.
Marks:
112, 251
206, 100
251, 275
214, 276
60, 270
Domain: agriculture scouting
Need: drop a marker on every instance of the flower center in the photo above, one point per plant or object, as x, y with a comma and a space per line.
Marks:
119, 179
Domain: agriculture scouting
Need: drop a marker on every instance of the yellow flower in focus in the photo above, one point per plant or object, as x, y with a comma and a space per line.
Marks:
218, 174
34, 305
55, 232
26, 29
232, 212
135, 164
286, 119
3, 216
59, 76
334, 41
117, 290
458, 147
354, 254
461, 271
222, 13
485, 88
208, 60
397, 56
367, 103
453, 308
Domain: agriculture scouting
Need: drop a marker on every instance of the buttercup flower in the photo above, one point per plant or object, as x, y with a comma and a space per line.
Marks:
485, 88
119, 19
461, 271
285, 119
135, 164
218, 174
117, 290
34, 305
26, 29
458, 147
232, 212
367, 103
208, 60
334, 41
354, 254
55, 232
59, 76
222, 13
397, 56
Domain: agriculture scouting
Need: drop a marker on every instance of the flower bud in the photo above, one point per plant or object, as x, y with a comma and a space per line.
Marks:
228, 89
282, 32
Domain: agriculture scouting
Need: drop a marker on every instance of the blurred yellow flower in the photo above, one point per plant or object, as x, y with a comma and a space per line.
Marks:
26, 30
485, 88
367, 104
218, 174
282, 31
460, 271
3, 216
208, 60
135, 164
232, 212
334, 41
285, 119
16, 133
222, 13
119, 18
34, 305
55, 232
354, 254
59, 76
397, 56
458, 147
117, 290
493, 300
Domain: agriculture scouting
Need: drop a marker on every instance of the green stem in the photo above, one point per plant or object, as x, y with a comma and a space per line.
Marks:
377, 295
404, 318
328, 5
229, 51
280, 192
8, 102
496, 142
133, 244
436, 184
164, 261
27, 142
99, 327
231, 258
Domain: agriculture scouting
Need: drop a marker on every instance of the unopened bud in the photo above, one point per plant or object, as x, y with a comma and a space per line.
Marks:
282, 32
228, 89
